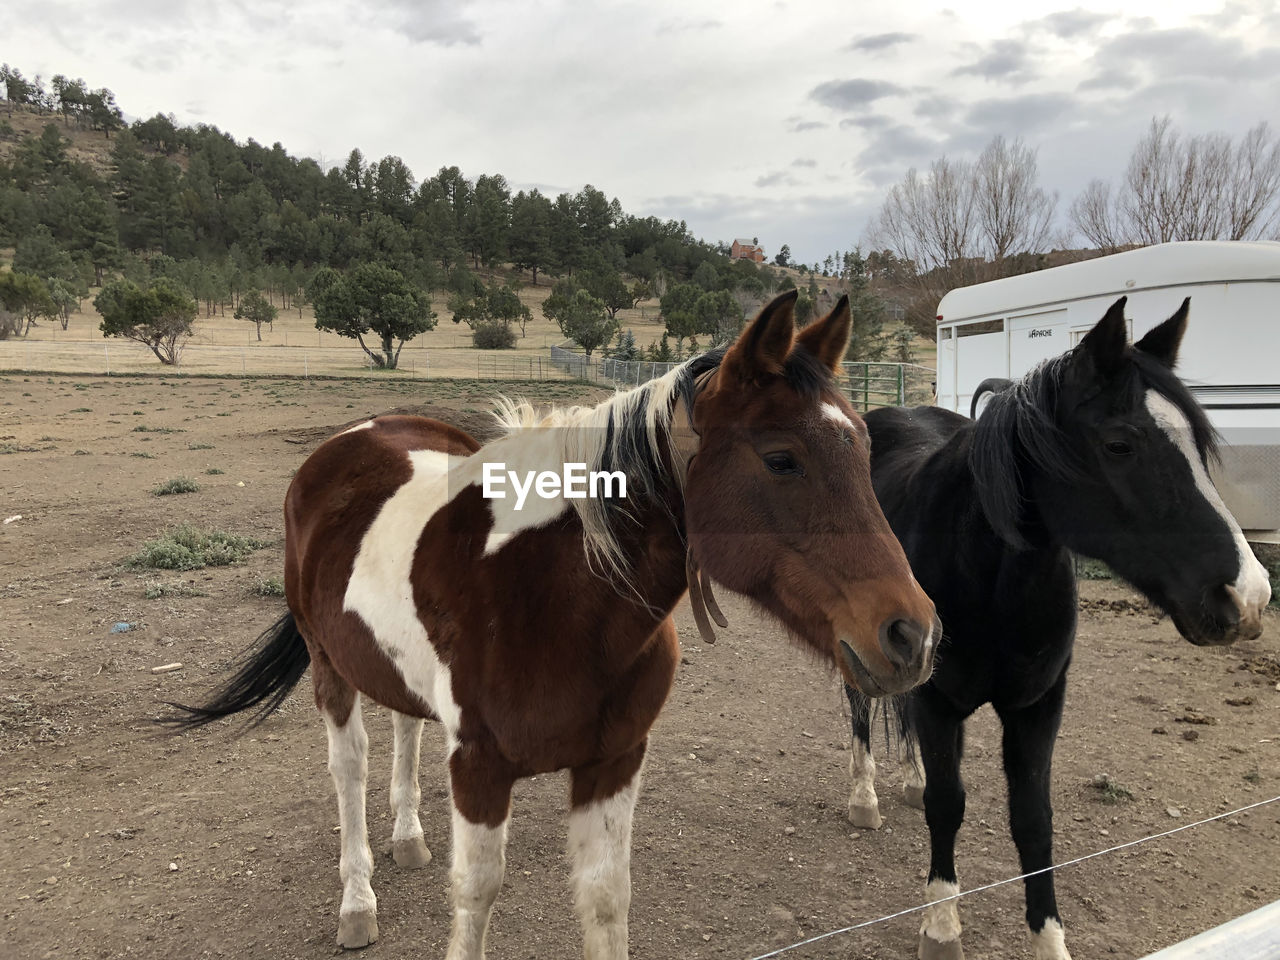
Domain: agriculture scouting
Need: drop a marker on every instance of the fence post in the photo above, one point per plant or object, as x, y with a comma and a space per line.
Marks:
866, 387
306, 368
902, 385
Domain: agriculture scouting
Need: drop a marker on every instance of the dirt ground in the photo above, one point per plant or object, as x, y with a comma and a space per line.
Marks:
121, 843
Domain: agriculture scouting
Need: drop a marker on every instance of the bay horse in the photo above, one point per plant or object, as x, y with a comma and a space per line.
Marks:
1101, 451
541, 638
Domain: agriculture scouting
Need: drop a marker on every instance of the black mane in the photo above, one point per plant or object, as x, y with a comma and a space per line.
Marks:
1020, 427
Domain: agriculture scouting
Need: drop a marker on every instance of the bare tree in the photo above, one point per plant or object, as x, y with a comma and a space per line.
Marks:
1186, 188
1255, 184
1014, 214
961, 222
1095, 215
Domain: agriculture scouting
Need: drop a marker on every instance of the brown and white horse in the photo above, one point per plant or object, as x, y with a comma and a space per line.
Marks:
541, 637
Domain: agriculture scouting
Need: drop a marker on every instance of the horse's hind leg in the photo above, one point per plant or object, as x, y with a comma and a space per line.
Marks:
864, 805
912, 768
407, 844
603, 800
349, 766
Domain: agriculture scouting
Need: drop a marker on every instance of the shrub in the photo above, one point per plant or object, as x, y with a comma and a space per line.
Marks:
176, 485
269, 587
189, 548
493, 335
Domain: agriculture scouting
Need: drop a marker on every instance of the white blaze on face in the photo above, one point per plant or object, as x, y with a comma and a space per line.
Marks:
836, 415
1252, 584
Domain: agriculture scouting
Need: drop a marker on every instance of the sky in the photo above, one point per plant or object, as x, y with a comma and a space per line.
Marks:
783, 121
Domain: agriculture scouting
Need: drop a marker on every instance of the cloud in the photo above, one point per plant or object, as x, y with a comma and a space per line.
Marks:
1009, 60
1187, 51
874, 121
668, 27
779, 178
438, 22
876, 42
804, 162
1070, 24
1018, 115
850, 95
799, 126
936, 106
1111, 78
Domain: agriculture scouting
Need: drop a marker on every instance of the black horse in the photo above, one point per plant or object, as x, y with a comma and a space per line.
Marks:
1101, 451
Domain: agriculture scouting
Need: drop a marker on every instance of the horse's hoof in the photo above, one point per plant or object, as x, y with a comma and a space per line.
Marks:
412, 854
931, 949
913, 796
356, 930
865, 815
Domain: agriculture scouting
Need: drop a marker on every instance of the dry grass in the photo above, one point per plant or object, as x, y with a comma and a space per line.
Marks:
294, 347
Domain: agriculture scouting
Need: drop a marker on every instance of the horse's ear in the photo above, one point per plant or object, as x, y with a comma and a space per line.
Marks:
1105, 343
762, 348
1162, 342
829, 337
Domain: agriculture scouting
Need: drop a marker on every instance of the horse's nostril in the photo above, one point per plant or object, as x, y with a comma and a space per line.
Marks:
901, 640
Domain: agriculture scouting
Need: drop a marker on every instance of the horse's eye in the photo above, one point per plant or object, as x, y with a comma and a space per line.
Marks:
1118, 448
782, 463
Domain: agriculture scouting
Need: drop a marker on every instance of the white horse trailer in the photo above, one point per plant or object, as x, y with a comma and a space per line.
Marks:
1230, 357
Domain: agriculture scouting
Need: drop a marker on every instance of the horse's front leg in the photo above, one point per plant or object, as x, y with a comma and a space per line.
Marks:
940, 736
481, 783
1029, 735
864, 805
603, 799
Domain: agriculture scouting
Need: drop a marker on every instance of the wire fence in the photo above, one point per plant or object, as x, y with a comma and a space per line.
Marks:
869, 385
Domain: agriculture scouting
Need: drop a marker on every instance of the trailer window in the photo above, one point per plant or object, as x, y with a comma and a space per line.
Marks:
945, 333
982, 326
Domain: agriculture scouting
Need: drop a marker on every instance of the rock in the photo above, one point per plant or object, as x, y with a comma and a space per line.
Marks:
1190, 735
172, 866
1173, 811
121, 626
166, 668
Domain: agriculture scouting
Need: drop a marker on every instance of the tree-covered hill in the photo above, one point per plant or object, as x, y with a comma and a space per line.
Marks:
86, 197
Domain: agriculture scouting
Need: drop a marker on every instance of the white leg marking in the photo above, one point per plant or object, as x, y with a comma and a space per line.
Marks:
1253, 585
912, 774
407, 845
479, 860
600, 851
349, 766
941, 923
864, 805
1050, 943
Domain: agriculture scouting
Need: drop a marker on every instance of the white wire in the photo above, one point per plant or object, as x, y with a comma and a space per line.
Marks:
1001, 883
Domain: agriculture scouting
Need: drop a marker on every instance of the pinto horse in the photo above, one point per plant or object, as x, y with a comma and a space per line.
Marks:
1101, 451
541, 637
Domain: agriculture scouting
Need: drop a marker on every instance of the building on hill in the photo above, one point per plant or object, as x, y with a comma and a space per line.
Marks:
747, 250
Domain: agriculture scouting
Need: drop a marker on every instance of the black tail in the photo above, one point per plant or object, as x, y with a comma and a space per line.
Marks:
268, 671
990, 385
